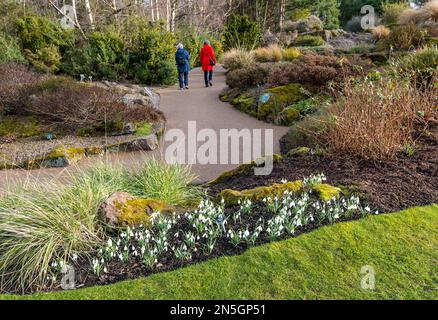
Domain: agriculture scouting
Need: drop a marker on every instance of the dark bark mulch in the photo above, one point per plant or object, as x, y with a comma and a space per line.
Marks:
391, 185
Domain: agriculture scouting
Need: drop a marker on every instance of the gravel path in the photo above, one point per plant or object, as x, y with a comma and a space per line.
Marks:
198, 104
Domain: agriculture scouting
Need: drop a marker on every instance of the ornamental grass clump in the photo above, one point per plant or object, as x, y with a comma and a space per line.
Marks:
43, 226
40, 224
238, 59
171, 183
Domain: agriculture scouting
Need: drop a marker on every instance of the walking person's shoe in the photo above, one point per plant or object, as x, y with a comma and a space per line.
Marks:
181, 89
186, 87
211, 84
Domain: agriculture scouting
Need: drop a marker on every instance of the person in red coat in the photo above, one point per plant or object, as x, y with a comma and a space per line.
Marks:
208, 61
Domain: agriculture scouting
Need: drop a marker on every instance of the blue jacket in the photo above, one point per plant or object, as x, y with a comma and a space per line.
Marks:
182, 54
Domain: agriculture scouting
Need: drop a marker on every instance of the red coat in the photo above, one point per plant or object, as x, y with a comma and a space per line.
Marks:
207, 54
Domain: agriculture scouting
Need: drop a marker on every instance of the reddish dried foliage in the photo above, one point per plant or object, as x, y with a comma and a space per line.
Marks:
317, 70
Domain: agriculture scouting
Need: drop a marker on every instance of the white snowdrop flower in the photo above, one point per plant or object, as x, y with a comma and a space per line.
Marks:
367, 209
377, 212
154, 216
105, 270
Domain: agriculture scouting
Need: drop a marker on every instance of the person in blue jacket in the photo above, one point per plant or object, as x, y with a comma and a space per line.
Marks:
182, 58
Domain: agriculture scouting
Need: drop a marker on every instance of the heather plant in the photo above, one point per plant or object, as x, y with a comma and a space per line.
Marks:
16, 84
317, 70
96, 108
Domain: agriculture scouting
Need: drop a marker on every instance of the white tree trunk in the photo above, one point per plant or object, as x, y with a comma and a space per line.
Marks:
168, 15
157, 9
152, 10
282, 13
89, 13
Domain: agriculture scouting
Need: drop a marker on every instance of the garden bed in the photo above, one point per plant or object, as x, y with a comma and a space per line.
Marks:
214, 229
323, 264
52, 121
388, 185
35, 152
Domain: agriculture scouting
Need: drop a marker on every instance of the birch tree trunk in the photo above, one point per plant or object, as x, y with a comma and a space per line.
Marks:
173, 15
168, 15
157, 10
282, 13
152, 11
89, 13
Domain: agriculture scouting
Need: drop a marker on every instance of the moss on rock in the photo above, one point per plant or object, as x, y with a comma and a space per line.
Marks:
288, 116
59, 157
243, 169
326, 192
232, 197
246, 104
281, 97
138, 211
300, 151
19, 127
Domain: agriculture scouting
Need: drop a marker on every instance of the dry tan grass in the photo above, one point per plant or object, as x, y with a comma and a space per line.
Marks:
431, 10
381, 32
427, 13
237, 59
273, 53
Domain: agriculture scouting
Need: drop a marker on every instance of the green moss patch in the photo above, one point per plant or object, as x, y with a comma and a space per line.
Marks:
281, 97
60, 157
300, 151
138, 211
288, 116
19, 127
232, 197
244, 169
246, 104
326, 192
143, 129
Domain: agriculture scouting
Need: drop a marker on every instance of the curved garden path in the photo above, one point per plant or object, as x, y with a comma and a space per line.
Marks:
198, 104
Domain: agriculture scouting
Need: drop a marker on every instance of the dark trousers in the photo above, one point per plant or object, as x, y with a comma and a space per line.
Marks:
183, 78
208, 77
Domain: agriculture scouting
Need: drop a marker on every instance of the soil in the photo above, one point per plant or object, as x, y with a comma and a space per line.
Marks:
388, 186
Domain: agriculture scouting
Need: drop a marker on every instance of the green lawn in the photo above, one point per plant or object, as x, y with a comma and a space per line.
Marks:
325, 264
